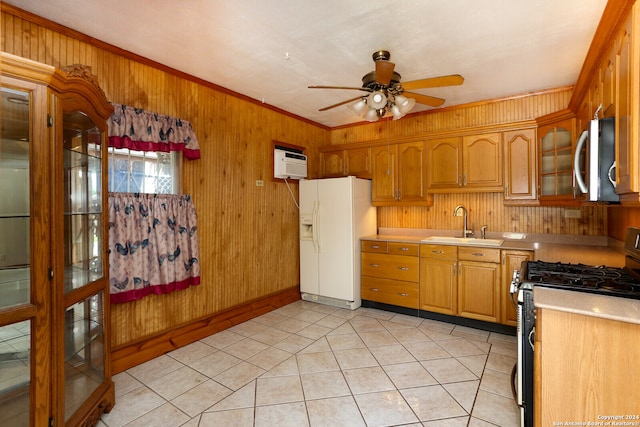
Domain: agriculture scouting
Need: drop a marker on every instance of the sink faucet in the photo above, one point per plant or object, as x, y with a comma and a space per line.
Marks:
465, 232
484, 231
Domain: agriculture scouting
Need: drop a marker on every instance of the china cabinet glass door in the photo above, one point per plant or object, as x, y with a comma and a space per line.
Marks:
15, 289
84, 350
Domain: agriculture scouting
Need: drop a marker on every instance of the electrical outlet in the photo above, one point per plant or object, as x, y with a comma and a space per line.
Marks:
573, 213
259, 183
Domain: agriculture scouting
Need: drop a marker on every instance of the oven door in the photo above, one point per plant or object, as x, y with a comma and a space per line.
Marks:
525, 335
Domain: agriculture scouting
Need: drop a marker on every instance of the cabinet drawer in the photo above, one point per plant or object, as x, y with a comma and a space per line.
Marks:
411, 249
398, 267
404, 294
479, 254
439, 251
375, 246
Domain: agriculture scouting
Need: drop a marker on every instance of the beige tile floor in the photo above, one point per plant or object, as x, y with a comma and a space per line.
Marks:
308, 364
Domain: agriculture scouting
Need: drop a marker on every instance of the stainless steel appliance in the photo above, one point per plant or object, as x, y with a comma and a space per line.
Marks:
602, 280
599, 183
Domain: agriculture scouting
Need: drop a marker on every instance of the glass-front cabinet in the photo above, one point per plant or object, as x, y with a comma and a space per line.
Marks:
556, 145
54, 301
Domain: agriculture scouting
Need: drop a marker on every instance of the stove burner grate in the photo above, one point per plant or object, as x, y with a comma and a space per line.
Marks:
597, 279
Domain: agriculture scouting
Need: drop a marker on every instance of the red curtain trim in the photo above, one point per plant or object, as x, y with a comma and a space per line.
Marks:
136, 294
126, 142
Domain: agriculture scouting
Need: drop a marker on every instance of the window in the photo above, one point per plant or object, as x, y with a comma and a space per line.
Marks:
144, 171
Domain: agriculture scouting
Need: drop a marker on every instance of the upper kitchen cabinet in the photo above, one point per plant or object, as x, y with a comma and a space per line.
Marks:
463, 164
520, 160
399, 172
345, 162
556, 136
627, 83
54, 287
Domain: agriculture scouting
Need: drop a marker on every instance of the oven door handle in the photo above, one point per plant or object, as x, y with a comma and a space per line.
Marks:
532, 335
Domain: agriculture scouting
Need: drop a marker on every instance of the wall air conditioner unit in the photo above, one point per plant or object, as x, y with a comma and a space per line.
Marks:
289, 164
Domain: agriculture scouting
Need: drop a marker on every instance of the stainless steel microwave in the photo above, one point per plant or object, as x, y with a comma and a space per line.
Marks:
598, 145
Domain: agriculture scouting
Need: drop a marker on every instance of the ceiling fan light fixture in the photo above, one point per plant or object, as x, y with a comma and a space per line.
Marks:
371, 115
404, 104
359, 107
377, 100
397, 114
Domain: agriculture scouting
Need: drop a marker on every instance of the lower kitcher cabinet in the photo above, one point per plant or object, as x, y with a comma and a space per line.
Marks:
438, 279
478, 284
453, 282
511, 260
390, 273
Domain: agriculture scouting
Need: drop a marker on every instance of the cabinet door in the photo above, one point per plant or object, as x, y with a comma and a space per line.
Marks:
556, 160
438, 288
25, 260
411, 172
627, 102
478, 284
384, 182
358, 162
445, 163
511, 260
608, 80
332, 164
520, 165
80, 310
482, 161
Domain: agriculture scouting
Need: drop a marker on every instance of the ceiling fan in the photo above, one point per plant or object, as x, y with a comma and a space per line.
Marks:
387, 94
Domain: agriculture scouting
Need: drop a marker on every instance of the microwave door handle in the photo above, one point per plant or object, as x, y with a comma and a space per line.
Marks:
609, 174
576, 161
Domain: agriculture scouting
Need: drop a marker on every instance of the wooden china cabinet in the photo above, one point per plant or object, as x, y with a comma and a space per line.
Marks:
54, 289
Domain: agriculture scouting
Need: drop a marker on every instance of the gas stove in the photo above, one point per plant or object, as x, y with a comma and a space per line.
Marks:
603, 280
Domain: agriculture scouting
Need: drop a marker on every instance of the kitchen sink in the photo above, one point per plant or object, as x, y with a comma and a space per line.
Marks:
471, 241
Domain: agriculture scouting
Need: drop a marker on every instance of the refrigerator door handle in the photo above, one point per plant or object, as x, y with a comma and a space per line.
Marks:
316, 242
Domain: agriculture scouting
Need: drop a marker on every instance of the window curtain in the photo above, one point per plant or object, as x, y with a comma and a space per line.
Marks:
153, 245
137, 129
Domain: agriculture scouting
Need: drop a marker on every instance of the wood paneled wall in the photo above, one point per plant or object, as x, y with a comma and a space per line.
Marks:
488, 209
248, 234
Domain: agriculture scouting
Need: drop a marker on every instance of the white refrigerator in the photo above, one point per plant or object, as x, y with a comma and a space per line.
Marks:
334, 214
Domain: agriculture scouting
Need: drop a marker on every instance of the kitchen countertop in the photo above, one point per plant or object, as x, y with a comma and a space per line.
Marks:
550, 248
588, 304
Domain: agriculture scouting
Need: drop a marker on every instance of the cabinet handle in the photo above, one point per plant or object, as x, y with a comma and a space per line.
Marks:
403, 294
374, 289
438, 252
374, 265
403, 249
460, 180
403, 268
464, 179
375, 246
479, 254
453, 267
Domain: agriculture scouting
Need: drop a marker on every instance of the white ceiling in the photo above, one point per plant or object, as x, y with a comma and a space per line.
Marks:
271, 50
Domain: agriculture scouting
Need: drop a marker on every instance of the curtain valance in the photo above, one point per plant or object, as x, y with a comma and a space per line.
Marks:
141, 130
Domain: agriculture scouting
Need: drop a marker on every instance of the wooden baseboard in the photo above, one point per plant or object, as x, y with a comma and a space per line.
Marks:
132, 354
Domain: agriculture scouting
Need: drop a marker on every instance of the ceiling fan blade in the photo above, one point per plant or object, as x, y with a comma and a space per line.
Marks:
366, 89
431, 101
452, 80
384, 72
340, 103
